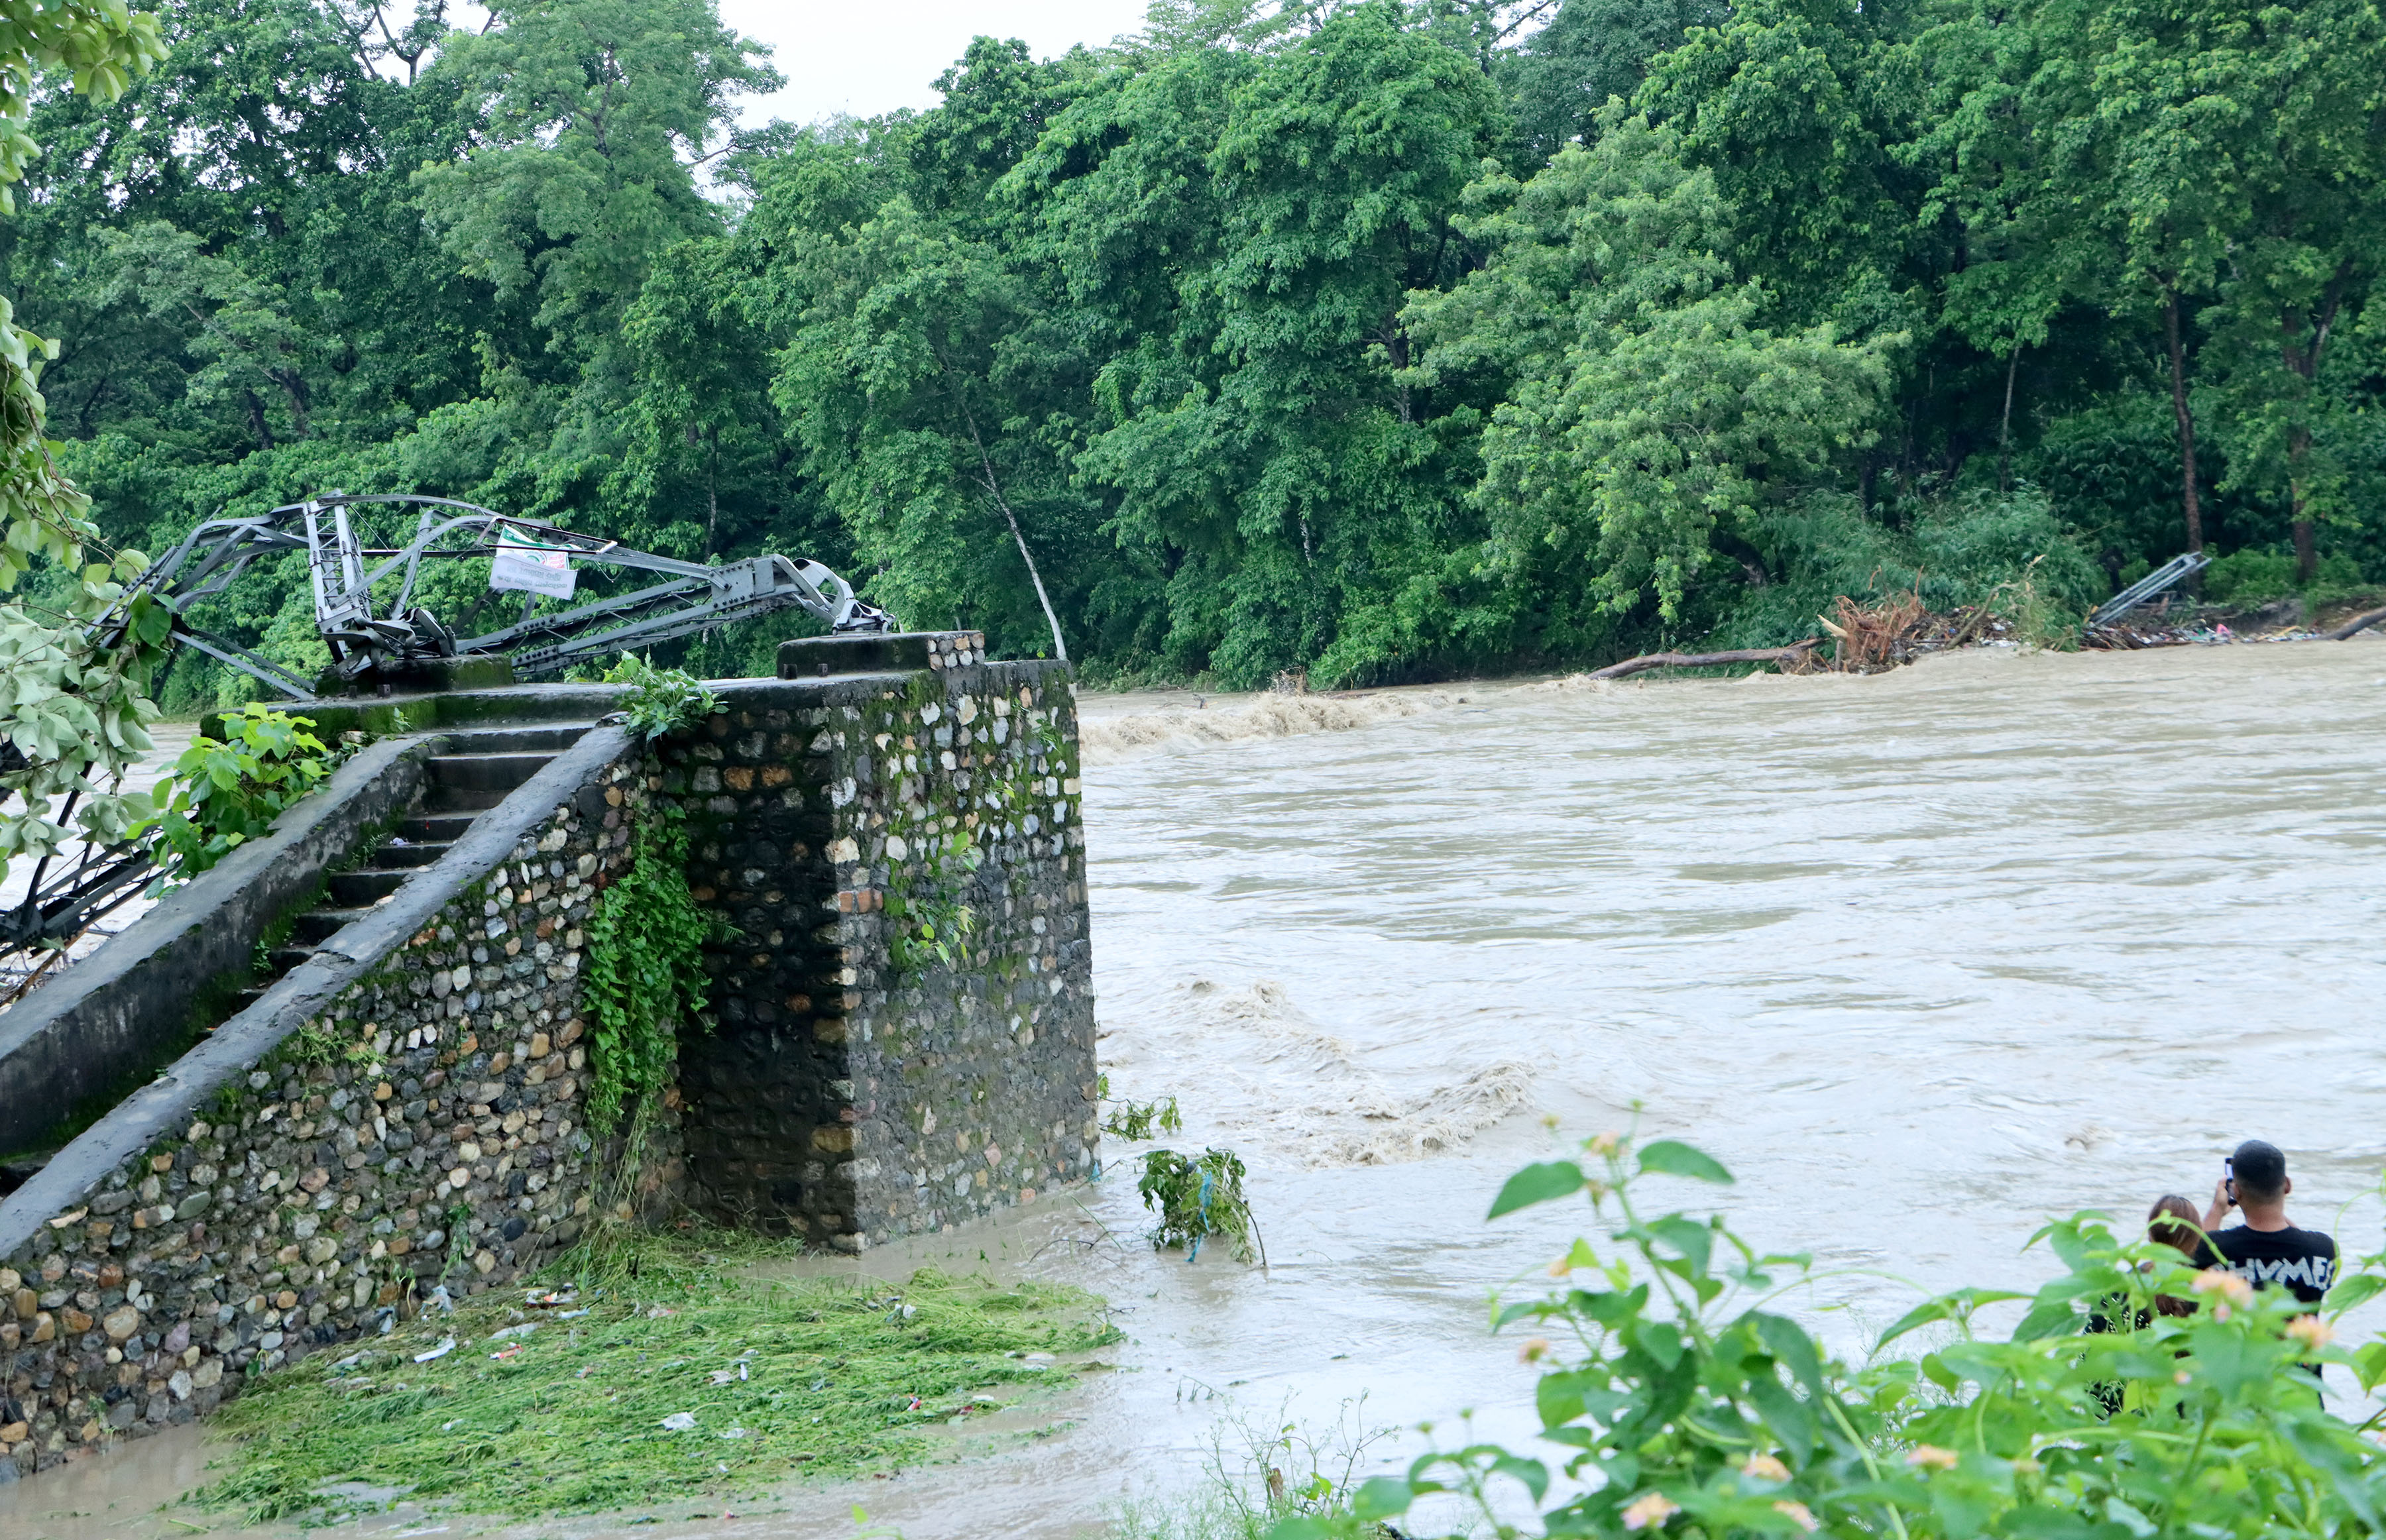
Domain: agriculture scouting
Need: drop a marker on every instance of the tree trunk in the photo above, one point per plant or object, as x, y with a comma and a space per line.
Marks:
2306, 552
1646, 661
2355, 626
712, 493
2004, 427
257, 420
993, 489
2186, 425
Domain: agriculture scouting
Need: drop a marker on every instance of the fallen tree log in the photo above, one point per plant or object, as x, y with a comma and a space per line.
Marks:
2358, 623
1646, 661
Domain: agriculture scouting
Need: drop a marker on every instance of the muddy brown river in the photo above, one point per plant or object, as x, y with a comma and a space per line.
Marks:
1923, 957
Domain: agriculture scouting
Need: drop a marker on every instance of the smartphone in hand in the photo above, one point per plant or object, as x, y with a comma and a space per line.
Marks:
2228, 1178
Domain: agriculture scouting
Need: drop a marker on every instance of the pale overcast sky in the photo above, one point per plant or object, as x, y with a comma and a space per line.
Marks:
865, 57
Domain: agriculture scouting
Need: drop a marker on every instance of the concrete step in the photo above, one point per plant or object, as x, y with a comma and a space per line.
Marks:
441, 829
460, 787
412, 852
356, 890
281, 960
317, 926
19, 1169
545, 738
475, 783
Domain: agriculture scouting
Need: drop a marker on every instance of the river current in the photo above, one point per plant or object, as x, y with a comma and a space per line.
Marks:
1923, 958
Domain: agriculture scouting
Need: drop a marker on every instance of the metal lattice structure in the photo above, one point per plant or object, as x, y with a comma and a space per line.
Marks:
365, 594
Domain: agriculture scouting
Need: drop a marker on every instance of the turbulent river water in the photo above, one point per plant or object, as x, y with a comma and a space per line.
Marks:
1923, 957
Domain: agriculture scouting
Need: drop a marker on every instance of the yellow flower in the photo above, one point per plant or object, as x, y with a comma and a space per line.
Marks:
1604, 1143
1650, 1512
2179, 1378
1767, 1467
2310, 1330
1534, 1350
2221, 1281
1563, 1266
1799, 1514
1931, 1456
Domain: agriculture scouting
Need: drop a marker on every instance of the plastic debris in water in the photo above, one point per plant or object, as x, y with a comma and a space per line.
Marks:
679, 1421
445, 1346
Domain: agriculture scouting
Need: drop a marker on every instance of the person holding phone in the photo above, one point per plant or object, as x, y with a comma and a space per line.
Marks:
2268, 1248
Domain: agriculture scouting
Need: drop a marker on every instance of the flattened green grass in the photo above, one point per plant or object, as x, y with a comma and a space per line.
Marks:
821, 1378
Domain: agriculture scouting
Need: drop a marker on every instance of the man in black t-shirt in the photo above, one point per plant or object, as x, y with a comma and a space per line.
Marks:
2265, 1249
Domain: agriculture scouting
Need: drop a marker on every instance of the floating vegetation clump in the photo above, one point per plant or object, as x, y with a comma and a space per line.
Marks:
675, 1379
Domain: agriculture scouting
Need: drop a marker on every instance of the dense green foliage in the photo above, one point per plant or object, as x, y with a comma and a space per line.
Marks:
2134, 1396
1373, 338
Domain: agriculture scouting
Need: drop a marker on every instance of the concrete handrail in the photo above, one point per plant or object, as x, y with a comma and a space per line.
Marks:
106, 1017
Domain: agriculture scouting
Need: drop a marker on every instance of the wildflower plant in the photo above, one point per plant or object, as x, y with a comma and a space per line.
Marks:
1676, 1398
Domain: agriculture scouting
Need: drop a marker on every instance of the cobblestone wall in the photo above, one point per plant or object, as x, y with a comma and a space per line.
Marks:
905, 1025
426, 1126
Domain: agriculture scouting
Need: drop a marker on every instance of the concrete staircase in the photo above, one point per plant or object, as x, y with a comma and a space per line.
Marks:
478, 771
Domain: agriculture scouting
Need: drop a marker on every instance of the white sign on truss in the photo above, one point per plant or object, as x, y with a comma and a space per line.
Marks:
523, 567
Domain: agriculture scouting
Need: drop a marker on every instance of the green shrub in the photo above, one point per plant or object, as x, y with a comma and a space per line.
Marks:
219, 795
1676, 1401
660, 700
2009, 550
1968, 548
2252, 576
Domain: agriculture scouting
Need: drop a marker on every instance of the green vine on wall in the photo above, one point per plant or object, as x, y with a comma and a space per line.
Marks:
644, 976
932, 921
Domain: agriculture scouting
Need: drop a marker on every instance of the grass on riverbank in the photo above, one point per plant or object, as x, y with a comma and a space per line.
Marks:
761, 1383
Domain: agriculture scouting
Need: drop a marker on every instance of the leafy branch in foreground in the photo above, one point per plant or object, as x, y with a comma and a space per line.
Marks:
1680, 1400
74, 705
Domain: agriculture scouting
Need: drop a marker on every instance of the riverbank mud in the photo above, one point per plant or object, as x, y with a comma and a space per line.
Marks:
1923, 956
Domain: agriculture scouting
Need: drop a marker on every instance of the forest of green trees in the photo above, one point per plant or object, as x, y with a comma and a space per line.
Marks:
1384, 340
